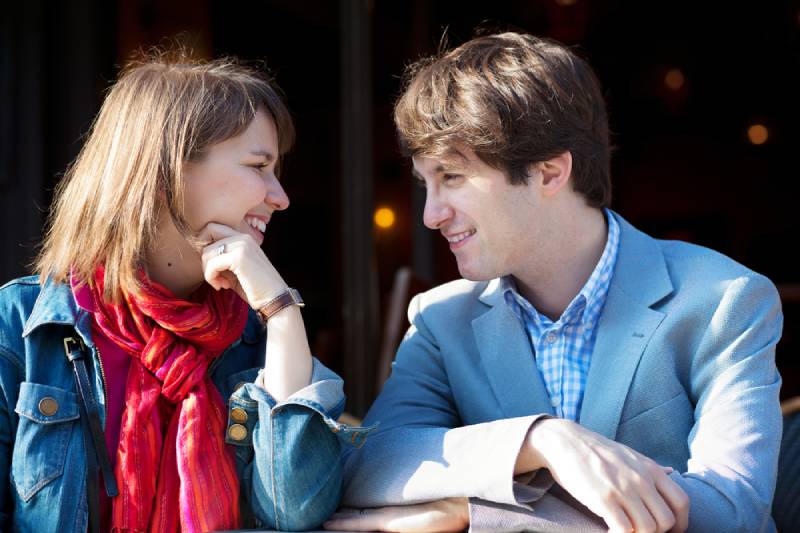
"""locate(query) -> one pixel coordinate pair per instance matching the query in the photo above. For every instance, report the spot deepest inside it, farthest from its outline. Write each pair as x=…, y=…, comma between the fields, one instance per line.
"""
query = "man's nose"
x=436, y=212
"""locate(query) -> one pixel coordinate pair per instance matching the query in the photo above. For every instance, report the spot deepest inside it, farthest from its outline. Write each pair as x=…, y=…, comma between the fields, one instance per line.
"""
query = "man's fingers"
x=678, y=502
x=639, y=515
x=660, y=510
x=616, y=519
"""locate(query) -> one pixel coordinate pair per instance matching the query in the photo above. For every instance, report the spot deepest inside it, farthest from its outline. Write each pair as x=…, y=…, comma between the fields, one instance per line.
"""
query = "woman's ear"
x=553, y=174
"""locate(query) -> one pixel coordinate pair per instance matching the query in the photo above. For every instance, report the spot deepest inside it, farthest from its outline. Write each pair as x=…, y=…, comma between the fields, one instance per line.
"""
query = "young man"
x=637, y=374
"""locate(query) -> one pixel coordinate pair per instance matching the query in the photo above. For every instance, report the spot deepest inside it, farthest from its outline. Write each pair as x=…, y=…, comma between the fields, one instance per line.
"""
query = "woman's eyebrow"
x=264, y=153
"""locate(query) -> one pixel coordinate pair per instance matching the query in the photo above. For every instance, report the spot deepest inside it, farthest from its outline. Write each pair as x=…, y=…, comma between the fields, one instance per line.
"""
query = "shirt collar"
x=593, y=291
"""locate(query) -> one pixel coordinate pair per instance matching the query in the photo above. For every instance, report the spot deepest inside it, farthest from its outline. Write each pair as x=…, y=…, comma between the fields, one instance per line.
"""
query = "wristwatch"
x=283, y=300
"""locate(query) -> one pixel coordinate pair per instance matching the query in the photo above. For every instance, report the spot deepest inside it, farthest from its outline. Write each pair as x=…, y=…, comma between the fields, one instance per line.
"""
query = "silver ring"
x=221, y=249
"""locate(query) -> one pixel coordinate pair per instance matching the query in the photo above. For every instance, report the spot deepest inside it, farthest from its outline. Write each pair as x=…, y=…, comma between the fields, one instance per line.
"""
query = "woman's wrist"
x=268, y=295
x=288, y=298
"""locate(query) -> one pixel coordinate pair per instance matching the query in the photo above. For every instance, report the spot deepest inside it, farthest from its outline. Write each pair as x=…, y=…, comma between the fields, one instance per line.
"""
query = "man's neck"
x=555, y=279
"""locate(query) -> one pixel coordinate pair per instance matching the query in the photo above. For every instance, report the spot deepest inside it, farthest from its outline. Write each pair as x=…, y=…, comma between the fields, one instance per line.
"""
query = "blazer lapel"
x=626, y=325
x=507, y=358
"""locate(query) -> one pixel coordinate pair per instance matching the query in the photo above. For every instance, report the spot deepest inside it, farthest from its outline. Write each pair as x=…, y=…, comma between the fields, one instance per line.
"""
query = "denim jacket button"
x=237, y=432
x=48, y=406
x=239, y=415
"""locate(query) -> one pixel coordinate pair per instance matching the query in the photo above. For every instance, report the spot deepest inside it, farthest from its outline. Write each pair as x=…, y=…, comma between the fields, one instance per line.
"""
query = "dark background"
x=684, y=166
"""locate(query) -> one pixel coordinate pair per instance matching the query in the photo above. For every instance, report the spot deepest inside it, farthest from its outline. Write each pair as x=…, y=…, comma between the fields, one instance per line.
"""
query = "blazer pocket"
x=46, y=417
x=661, y=432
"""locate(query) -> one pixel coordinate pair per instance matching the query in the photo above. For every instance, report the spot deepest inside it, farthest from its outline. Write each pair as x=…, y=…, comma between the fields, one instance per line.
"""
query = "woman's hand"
x=241, y=265
x=451, y=514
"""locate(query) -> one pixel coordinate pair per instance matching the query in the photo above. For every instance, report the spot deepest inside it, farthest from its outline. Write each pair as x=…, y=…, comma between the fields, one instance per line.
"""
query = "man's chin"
x=472, y=274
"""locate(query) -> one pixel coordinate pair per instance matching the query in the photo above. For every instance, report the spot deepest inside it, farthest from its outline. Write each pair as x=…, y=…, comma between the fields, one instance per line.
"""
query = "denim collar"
x=56, y=305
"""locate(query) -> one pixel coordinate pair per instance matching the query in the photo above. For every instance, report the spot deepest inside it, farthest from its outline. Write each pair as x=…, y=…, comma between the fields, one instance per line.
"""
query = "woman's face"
x=235, y=183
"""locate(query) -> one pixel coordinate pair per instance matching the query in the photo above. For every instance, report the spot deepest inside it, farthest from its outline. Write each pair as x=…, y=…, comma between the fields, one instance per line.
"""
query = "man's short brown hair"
x=514, y=100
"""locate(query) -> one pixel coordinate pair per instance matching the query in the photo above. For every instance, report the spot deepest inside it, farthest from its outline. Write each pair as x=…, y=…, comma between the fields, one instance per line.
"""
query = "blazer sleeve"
x=734, y=443
x=420, y=451
x=556, y=512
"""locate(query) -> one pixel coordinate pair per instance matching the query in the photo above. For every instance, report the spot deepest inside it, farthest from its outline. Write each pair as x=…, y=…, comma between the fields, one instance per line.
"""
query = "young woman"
x=138, y=391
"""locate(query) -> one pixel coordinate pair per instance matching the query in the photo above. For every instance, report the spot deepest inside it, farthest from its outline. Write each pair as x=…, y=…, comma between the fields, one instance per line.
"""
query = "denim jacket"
x=287, y=460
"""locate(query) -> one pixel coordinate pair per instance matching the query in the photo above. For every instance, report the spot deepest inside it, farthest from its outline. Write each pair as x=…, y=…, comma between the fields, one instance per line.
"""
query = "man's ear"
x=555, y=173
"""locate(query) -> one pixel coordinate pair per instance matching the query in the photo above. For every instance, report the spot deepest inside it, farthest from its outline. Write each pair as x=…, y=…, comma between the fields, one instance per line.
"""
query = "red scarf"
x=173, y=467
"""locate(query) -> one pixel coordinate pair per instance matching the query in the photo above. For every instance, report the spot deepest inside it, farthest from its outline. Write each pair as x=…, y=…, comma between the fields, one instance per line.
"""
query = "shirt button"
x=48, y=406
x=551, y=337
x=238, y=415
x=237, y=432
x=554, y=402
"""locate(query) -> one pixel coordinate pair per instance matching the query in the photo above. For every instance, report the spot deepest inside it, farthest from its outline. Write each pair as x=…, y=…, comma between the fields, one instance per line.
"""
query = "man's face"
x=491, y=225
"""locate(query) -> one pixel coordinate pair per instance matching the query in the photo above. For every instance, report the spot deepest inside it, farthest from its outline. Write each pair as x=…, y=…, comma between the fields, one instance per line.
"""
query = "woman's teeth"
x=256, y=223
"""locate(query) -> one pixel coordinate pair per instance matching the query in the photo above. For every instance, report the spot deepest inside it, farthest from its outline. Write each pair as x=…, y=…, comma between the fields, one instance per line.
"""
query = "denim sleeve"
x=288, y=452
x=7, y=374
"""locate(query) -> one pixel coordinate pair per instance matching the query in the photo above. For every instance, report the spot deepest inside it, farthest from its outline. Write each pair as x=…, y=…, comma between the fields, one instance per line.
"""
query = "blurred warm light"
x=758, y=134
x=565, y=3
x=674, y=79
x=384, y=217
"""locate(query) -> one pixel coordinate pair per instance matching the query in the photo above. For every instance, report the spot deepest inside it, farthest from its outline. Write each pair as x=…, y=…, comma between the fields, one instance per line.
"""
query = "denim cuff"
x=324, y=396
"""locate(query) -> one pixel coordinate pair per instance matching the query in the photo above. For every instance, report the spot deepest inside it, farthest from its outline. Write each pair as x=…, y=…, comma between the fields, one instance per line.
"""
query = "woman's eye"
x=260, y=166
x=451, y=177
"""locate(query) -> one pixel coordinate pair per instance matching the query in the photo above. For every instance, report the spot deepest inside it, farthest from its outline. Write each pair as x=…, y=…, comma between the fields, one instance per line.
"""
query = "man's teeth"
x=460, y=236
x=257, y=223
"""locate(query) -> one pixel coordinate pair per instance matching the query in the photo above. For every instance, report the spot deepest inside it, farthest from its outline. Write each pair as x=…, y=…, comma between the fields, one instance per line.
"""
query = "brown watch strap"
x=283, y=300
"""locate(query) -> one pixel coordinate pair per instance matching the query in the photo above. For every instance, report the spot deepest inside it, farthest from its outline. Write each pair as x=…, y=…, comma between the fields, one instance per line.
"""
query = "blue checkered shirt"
x=563, y=349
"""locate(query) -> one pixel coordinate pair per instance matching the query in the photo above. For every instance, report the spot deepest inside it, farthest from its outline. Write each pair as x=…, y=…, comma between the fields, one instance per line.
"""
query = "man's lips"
x=459, y=239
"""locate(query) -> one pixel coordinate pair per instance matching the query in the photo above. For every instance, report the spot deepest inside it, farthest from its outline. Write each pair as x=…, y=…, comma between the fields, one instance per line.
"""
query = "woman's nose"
x=276, y=197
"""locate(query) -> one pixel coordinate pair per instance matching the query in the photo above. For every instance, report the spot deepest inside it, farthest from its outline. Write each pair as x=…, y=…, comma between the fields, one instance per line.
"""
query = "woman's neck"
x=173, y=262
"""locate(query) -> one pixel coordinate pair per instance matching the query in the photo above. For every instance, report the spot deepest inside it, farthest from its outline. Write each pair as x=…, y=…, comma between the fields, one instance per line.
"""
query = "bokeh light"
x=384, y=217
x=758, y=134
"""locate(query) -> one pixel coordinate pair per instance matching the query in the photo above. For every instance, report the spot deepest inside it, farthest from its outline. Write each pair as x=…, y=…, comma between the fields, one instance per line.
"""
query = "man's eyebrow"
x=264, y=153
x=439, y=169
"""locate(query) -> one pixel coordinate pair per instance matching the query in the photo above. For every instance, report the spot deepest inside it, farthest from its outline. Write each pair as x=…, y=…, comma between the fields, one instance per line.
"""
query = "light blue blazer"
x=683, y=370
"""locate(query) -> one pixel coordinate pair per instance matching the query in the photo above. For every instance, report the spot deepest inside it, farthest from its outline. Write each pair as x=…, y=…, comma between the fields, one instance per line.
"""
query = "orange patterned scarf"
x=173, y=467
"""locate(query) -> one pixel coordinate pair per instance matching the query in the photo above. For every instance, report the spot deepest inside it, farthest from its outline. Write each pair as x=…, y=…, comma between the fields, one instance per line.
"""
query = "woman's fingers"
x=443, y=515
x=213, y=231
x=217, y=270
x=233, y=260
x=358, y=519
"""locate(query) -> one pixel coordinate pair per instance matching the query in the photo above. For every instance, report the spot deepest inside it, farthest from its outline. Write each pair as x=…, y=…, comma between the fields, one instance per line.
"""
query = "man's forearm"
x=410, y=465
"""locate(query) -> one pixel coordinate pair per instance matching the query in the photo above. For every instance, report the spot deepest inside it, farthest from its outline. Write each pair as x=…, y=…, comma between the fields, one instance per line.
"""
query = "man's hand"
x=629, y=491
x=451, y=514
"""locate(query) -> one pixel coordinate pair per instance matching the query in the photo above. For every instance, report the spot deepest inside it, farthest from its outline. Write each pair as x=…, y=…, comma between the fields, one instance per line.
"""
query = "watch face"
x=296, y=297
